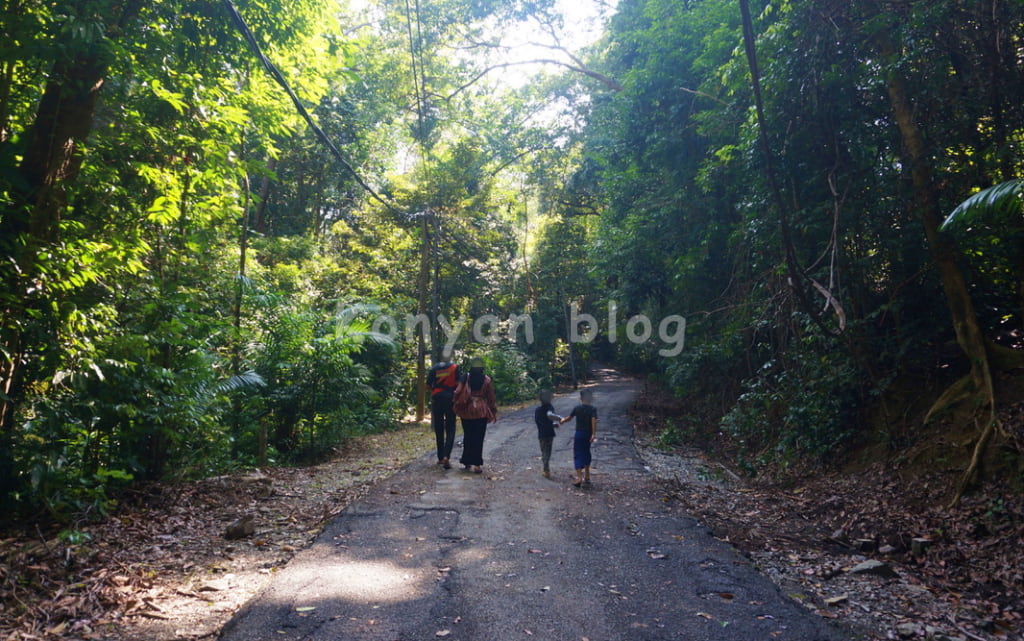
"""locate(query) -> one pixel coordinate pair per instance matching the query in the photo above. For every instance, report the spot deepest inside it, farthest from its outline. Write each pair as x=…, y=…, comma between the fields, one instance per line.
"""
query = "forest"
x=235, y=233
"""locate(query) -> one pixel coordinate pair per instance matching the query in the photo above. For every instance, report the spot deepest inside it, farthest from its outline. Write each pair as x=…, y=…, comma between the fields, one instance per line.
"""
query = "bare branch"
x=351, y=30
x=559, y=47
x=511, y=161
x=830, y=302
x=610, y=83
x=577, y=208
x=702, y=94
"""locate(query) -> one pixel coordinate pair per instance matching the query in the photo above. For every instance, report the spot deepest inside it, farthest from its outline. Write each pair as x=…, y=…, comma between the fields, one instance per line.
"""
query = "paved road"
x=510, y=555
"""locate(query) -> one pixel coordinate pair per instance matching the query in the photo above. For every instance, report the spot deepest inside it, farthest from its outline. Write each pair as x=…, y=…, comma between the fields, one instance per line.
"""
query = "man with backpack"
x=442, y=379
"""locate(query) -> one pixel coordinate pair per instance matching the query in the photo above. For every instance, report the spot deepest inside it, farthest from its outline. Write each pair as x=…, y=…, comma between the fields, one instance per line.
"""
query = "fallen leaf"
x=57, y=629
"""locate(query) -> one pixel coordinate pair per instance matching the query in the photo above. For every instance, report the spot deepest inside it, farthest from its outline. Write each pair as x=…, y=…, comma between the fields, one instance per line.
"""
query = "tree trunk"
x=421, y=309
x=261, y=207
x=793, y=268
x=926, y=201
x=436, y=344
x=13, y=9
x=236, y=312
x=30, y=220
x=6, y=80
x=568, y=339
x=954, y=285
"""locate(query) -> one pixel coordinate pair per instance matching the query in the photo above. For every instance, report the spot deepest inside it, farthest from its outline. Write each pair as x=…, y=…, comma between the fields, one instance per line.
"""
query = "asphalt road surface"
x=509, y=555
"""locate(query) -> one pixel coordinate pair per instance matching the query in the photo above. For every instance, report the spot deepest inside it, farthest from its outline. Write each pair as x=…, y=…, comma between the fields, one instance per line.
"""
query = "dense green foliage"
x=794, y=361
x=190, y=281
x=179, y=276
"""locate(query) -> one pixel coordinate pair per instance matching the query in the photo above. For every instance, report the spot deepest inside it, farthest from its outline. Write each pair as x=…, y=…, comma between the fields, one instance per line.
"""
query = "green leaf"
x=995, y=204
x=162, y=211
x=175, y=100
x=241, y=381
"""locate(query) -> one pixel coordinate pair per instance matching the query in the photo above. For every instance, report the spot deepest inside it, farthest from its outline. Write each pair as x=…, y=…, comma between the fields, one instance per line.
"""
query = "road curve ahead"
x=512, y=556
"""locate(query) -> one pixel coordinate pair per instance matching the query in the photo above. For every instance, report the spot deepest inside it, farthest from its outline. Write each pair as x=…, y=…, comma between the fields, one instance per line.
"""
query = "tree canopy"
x=194, y=278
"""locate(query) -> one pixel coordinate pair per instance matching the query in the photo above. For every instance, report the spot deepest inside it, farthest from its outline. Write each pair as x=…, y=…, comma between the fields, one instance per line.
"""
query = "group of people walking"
x=470, y=397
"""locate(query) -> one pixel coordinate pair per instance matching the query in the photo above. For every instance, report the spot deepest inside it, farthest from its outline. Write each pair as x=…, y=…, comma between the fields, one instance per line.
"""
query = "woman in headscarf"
x=476, y=406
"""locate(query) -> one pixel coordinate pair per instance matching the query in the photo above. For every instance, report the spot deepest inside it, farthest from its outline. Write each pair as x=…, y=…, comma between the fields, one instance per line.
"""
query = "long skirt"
x=473, y=432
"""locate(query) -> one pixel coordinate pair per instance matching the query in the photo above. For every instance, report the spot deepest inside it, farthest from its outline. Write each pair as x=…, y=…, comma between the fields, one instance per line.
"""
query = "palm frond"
x=245, y=283
x=240, y=381
x=351, y=324
x=349, y=313
x=377, y=338
x=991, y=205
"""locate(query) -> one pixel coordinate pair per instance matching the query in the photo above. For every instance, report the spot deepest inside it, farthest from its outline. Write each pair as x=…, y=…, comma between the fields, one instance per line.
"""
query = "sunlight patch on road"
x=367, y=581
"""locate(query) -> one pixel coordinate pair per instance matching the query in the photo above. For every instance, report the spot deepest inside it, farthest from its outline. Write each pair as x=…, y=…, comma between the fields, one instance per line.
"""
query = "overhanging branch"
x=608, y=82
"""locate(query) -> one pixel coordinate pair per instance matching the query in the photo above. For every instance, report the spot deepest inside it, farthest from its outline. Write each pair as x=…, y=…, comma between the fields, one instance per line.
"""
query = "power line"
x=250, y=39
x=417, y=69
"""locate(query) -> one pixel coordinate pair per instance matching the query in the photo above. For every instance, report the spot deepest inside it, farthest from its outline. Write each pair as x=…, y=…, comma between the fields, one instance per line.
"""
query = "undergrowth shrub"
x=510, y=370
x=150, y=407
x=803, y=408
x=708, y=370
x=322, y=384
x=669, y=438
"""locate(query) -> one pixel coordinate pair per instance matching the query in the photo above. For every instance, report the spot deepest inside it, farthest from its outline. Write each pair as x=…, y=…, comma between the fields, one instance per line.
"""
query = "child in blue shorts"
x=586, y=434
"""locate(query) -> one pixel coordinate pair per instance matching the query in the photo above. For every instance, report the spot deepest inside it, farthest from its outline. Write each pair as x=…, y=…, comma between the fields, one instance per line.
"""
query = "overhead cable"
x=250, y=39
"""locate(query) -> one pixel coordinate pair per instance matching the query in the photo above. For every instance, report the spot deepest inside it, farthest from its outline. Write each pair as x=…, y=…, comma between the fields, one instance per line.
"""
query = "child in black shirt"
x=546, y=419
x=586, y=434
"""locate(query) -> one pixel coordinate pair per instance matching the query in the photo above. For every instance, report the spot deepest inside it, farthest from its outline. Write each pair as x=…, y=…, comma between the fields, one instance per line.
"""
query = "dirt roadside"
x=933, y=573
x=160, y=568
